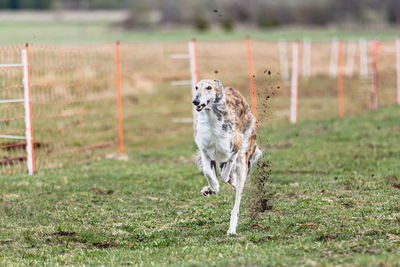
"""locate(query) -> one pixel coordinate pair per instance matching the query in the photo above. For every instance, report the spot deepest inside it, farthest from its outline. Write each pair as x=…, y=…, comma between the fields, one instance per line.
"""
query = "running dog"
x=225, y=133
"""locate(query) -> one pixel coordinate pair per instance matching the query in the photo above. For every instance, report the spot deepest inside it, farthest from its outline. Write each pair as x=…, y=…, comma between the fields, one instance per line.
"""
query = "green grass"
x=99, y=32
x=334, y=192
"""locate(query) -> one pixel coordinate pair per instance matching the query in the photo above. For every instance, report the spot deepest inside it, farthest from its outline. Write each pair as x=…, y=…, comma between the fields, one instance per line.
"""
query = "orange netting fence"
x=61, y=105
x=68, y=89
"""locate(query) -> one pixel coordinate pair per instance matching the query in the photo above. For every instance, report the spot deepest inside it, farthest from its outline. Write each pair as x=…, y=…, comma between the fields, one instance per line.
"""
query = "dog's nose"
x=196, y=102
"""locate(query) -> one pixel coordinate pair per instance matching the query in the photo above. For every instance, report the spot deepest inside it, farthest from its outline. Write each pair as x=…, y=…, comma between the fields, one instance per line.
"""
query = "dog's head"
x=207, y=93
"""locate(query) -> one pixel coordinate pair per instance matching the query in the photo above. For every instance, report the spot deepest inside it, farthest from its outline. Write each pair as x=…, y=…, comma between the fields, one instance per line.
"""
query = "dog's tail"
x=254, y=158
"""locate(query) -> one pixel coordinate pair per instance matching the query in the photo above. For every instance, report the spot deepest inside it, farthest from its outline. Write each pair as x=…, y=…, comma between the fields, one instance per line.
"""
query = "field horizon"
x=87, y=32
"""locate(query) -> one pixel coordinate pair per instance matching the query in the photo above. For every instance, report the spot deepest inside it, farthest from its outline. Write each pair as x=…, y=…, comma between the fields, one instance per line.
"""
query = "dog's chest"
x=211, y=138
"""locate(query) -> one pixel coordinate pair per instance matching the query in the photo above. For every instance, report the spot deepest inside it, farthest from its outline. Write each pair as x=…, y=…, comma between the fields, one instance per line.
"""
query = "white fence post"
x=334, y=59
x=295, y=82
x=283, y=60
x=363, y=58
x=28, y=114
x=351, y=48
x=194, y=76
x=374, y=92
x=306, y=58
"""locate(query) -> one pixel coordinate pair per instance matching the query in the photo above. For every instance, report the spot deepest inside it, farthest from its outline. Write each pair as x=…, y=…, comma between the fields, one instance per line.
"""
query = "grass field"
x=58, y=32
x=333, y=195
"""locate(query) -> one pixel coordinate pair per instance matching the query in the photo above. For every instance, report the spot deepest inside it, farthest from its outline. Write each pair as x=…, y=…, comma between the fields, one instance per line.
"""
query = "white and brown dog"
x=226, y=137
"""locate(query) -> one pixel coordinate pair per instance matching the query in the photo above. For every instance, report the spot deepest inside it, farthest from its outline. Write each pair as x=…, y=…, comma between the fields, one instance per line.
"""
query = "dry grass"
x=82, y=84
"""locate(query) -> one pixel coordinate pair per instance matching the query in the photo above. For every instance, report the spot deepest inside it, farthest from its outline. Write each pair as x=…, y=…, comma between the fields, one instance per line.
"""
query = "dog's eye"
x=208, y=87
x=197, y=87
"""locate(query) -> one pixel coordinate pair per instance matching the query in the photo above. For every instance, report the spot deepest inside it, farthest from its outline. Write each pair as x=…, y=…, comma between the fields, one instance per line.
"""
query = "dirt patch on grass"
x=103, y=245
x=300, y=172
x=6, y=242
x=326, y=237
x=393, y=181
x=98, y=191
x=279, y=146
x=65, y=237
x=62, y=233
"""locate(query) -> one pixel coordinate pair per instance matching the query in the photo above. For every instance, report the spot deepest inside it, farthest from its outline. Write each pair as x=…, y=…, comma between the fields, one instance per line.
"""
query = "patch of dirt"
x=73, y=238
x=133, y=99
x=348, y=205
x=103, y=245
x=156, y=160
x=374, y=146
x=5, y=242
x=280, y=145
x=119, y=157
x=393, y=181
x=263, y=239
x=396, y=186
x=300, y=172
x=309, y=225
x=98, y=191
x=62, y=233
x=327, y=237
x=186, y=160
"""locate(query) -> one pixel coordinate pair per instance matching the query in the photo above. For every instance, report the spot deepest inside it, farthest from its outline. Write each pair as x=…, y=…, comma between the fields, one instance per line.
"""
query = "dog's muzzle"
x=196, y=103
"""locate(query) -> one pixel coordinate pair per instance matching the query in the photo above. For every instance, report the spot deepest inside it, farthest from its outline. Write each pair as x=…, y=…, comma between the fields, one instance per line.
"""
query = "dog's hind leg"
x=241, y=169
x=210, y=172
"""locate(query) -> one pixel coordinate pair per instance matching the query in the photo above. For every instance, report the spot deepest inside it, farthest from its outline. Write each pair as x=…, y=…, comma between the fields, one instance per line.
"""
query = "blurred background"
x=77, y=21
x=73, y=70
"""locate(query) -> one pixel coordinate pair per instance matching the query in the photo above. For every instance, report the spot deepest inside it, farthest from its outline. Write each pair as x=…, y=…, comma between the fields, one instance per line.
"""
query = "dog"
x=225, y=133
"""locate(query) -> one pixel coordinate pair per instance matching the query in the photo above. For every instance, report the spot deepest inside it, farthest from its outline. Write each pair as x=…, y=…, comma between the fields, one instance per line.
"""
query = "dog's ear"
x=219, y=90
x=218, y=83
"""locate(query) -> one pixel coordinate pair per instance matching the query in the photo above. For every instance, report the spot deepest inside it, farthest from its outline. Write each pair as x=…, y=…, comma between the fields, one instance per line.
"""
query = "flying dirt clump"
x=259, y=192
x=262, y=171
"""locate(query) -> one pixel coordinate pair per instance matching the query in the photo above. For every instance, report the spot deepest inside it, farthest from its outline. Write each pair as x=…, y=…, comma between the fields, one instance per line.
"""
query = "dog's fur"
x=226, y=137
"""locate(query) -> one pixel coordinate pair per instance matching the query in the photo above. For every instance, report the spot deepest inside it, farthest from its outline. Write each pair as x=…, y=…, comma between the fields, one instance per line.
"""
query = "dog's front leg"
x=210, y=173
x=226, y=171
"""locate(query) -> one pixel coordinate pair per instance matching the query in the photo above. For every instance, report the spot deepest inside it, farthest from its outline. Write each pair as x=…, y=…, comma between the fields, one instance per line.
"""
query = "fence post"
x=398, y=69
x=28, y=111
x=283, y=60
x=350, y=59
x=306, y=58
x=340, y=79
x=120, y=131
x=363, y=59
x=334, y=59
x=295, y=82
x=194, y=75
x=374, y=96
x=251, y=78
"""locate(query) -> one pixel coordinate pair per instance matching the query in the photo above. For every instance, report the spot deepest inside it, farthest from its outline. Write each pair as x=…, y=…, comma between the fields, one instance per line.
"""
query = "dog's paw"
x=231, y=232
x=206, y=191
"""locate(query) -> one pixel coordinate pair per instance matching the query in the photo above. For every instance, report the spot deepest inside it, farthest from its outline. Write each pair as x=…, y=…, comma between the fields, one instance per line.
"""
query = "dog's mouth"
x=202, y=106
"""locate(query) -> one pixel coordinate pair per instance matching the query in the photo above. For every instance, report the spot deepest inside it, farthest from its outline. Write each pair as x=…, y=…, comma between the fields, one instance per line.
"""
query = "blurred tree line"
x=227, y=13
